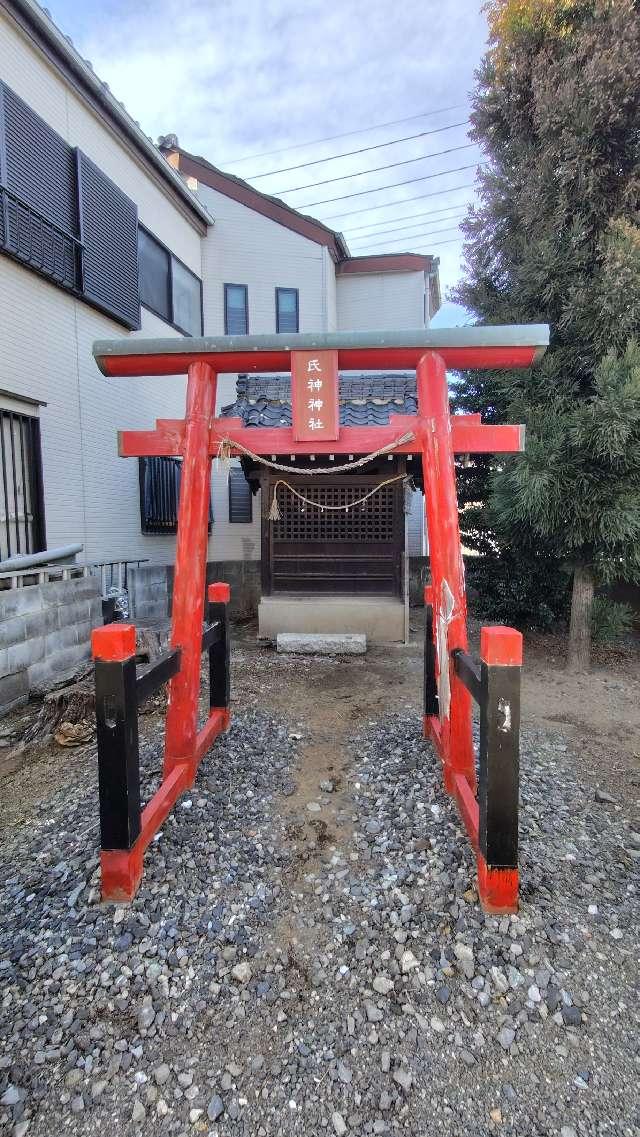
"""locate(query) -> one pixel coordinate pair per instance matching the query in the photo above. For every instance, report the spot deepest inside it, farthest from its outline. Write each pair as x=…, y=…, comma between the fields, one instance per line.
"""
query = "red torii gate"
x=451, y=676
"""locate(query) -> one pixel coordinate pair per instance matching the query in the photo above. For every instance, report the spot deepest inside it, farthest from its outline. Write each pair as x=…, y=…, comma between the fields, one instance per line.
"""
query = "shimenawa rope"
x=275, y=515
x=228, y=445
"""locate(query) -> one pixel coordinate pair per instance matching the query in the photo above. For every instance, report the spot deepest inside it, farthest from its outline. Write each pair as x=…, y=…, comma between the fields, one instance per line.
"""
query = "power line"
x=406, y=217
x=346, y=134
x=392, y=204
x=393, y=185
x=411, y=236
x=431, y=245
x=450, y=223
x=412, y=225
x=362, y=150
x=377, y=169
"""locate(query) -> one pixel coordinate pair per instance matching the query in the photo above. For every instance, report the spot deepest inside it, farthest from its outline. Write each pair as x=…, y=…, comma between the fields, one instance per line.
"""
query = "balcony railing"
x=29, y=237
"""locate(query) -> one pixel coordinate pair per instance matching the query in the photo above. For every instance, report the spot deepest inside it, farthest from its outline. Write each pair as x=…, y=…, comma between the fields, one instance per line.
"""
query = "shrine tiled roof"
x=365, y=400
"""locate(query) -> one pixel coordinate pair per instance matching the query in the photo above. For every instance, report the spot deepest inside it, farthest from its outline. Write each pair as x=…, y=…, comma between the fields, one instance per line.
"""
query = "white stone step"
x=299, y=643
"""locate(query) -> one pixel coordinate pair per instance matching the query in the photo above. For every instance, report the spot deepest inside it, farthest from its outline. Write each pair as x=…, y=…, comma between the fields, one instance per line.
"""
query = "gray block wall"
x=419, y=576
x=151, y=589
x=45, y=629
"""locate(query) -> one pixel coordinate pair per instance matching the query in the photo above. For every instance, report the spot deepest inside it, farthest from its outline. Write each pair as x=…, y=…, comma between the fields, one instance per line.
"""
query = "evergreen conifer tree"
x=556, y=239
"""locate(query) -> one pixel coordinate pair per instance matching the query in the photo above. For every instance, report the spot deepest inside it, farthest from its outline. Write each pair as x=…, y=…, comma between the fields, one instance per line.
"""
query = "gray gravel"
x=263, y=983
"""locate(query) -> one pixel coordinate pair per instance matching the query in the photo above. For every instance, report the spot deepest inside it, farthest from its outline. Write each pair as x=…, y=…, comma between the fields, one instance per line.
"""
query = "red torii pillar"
x=452, y=733
x=191, y=568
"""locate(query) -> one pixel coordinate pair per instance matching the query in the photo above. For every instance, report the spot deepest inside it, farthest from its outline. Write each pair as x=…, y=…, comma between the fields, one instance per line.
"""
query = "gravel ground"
x=300, y=968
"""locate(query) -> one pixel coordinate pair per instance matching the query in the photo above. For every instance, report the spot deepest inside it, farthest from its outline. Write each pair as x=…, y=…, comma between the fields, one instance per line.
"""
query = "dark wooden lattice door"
x=352, y=549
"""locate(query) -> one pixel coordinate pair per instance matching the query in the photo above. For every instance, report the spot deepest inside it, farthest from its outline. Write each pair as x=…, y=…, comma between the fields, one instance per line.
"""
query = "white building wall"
x=46, y=335
x=331, y=292
x=244, y=247
x=379, y=301
x=91, y=494
x=416, y=528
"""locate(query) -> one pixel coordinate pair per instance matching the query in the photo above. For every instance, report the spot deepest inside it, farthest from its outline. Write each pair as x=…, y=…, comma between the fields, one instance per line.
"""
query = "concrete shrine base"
x=380, y=618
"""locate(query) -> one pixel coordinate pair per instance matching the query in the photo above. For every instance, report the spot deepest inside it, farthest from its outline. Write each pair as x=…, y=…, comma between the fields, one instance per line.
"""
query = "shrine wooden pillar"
x=191, y=567
x=450, y=729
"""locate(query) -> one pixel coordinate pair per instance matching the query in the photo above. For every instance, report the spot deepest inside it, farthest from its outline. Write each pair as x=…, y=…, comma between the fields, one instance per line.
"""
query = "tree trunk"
x=579, y=653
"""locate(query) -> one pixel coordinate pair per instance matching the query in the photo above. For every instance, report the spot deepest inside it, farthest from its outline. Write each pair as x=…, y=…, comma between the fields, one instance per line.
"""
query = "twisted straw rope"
x=275, y=515
x=227, y=445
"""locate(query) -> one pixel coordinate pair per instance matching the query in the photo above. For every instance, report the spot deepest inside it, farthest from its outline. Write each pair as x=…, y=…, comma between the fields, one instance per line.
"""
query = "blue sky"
x=237, y=79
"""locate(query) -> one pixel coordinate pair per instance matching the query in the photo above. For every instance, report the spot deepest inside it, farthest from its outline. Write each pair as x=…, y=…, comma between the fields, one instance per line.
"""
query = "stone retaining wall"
x=45, y=629
x=151, y=589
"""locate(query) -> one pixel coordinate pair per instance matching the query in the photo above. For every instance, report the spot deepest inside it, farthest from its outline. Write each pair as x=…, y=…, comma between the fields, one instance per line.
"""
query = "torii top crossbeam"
x=517, y=345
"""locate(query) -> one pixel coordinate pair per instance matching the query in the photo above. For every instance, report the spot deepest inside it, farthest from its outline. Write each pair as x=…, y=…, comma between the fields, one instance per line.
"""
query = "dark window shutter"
x=109, y=221
x=41, y=168
x=39, y=180
x=159, y=494
x=240, y=498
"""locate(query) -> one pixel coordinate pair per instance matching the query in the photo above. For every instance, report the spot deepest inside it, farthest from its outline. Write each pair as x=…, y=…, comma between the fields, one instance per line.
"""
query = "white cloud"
x=237, y=78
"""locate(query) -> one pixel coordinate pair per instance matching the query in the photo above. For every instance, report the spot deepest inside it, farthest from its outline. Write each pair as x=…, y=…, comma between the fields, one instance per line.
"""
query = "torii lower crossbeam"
x=488, y=804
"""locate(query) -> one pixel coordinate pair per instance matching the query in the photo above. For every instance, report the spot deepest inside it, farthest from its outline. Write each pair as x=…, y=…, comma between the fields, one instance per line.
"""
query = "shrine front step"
x=379, y=618
x=297, y=643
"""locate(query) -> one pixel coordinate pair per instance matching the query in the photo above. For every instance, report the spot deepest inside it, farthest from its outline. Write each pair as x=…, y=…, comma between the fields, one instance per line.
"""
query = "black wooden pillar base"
x=218, y=596
x=114, y=648
x=499, y=774
x=430, y=683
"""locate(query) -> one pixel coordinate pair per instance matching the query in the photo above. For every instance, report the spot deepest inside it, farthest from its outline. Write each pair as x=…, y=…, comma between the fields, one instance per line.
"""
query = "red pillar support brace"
x=451, y=731
x=190, y=573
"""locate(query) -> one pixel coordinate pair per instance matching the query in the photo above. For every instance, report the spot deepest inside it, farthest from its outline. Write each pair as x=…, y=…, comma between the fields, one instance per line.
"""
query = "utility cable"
x=392, y=185
x=362, y=150
x=339, y=217
x=402, y=228
x=406, y=217
x=377, y=169
x=411, y=236
x=346, y=134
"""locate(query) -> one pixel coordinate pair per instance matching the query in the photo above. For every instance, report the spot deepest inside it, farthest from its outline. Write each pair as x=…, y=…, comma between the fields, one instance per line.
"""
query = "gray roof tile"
x=365, y=400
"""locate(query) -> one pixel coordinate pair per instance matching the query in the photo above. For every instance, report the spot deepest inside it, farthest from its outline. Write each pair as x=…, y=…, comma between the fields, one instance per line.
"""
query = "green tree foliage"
x=556, y=239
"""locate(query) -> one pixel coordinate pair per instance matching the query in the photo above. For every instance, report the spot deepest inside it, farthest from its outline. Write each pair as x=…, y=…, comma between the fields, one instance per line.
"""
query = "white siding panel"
x=381, y=301
x=25, y=70
x=237, y=542
x=416, y=535
x=332, y=300
x=91, y=495
x=246, y=248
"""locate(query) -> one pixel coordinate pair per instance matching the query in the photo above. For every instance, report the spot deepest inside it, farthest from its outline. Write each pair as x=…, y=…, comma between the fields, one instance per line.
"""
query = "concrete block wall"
x=151, y=589
x=44, y=630
x=419, y=577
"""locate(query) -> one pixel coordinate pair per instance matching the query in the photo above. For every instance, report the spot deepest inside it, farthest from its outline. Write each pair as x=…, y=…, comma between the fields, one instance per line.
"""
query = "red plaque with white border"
x=315, y=409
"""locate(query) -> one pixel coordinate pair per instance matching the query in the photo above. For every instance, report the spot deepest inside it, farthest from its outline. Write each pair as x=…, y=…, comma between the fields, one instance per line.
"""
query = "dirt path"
x=599, y=714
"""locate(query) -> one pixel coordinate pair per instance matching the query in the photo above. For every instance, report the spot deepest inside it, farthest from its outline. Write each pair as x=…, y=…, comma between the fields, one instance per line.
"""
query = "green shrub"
x=610, y=620
x=525, y=592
